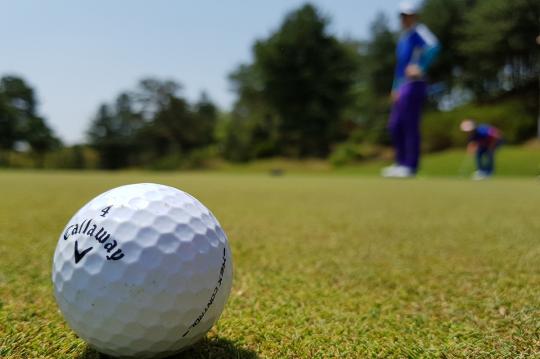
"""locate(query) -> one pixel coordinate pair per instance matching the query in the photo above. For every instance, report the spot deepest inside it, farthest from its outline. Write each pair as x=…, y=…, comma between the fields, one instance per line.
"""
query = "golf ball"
x=142, y=270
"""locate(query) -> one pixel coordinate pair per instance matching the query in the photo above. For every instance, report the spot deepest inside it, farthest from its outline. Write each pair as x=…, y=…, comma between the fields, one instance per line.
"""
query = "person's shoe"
x=402, y=172
x=396, y=171
x=479, y=176
x=387, y=171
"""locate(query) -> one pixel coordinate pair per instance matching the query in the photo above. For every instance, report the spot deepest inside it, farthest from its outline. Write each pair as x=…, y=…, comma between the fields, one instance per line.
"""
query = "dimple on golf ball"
x=142, y=270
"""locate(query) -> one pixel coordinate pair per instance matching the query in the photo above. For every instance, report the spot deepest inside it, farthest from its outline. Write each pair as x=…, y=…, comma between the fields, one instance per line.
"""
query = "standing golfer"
x=484, y=141
x=416, y=49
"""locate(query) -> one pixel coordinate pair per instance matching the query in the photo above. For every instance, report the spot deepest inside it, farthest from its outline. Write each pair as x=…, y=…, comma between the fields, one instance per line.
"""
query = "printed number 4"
x=105, y=210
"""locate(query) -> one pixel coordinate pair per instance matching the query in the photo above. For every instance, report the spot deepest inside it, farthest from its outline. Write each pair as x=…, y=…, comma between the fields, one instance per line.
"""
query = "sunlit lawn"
x=325, y=266
x=511, y=161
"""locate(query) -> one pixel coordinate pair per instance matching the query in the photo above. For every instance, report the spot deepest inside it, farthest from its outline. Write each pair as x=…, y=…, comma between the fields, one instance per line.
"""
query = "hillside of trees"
x=306, y=94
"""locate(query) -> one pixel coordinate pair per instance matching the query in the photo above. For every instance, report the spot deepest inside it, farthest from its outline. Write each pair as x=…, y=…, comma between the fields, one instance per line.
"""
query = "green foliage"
x=282, y=108
x=198, y=158
x=350, y=153
x=373, y=84
x=380, y=56
x=306, y=73
x=237, y=144
x=72, y=157
x=113, y=131
x=8, y=125
x=19, y=120
x=306, y=94
x=300, y=82
x=177, y=125
x=39, y=136
x=500, y=33
x=252, y=129
x=152, y=127
x=15, y=159
x=249, y=138
x=440, y=130
x=446, y=19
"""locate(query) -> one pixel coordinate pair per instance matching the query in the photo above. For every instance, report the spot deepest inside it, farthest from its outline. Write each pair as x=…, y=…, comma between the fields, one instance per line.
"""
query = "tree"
x=19, y=120
x=373, y=83
x=152, y=124
x=19, y=95
x=153, y=95
x=183, y=127
x=39, y=136
x=206, y=113
x=380, y=55
x=101, y=135
x=499, y=40
x=113, y=133
x=446, y=19
x=305, y=75
x=8, y=125
x=253, y=129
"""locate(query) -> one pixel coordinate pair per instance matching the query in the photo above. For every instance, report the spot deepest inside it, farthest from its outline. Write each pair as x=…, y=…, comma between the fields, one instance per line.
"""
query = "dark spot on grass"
x=207, y=348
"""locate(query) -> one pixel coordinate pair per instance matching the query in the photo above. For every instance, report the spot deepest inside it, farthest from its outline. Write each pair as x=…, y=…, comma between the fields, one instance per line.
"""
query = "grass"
x=512, y=161
x=325, y=266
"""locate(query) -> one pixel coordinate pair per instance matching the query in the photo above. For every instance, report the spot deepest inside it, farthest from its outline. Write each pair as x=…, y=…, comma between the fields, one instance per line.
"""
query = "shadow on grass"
x=208, y=348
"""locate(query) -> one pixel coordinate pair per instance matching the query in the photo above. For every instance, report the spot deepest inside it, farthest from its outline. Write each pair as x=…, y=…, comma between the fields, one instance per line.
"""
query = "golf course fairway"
x=325, y=265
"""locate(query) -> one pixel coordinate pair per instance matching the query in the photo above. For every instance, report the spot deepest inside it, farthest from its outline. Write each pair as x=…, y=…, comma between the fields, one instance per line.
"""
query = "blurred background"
x=208, y=85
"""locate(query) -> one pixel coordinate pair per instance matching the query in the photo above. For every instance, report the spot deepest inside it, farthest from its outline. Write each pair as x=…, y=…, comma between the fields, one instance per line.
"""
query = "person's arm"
x=472, y=142
x=426, y=52
x=398, y=79
x=396, y=83
x=431, y=48
x=471, y=147
x=399, y=70
x=495, y=137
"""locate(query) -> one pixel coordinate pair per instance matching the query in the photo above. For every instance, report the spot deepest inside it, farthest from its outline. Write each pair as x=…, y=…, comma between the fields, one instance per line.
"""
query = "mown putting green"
x=325, y=266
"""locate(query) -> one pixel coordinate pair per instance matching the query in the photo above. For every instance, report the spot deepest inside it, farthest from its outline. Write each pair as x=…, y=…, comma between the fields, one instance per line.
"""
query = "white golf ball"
x=142, y=270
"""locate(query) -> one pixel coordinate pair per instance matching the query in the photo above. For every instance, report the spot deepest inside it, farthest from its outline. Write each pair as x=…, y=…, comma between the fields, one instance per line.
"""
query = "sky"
x=78, y=54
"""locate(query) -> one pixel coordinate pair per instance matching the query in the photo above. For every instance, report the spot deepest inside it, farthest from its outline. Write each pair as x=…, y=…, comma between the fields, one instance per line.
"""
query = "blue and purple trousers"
x=404, y=123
